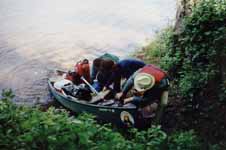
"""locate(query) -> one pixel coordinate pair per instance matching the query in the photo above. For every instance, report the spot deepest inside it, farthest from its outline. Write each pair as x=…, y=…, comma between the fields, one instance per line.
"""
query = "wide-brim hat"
x=143, y=82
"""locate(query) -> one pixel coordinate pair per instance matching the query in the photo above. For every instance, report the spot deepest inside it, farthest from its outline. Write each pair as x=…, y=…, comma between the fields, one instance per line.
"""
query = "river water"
x=38, y=35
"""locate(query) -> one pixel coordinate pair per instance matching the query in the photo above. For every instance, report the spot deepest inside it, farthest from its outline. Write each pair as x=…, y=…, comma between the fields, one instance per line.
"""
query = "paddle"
x=60, y=72
x=90, y=86
x=98, y=97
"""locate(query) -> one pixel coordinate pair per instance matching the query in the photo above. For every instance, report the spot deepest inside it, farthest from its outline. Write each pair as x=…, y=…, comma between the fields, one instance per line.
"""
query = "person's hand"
x=127, y=100
x=119, y=95
x=105, y=88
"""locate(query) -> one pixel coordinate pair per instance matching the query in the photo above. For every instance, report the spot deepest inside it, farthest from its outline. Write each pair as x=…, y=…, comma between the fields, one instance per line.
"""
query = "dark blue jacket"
x=124, y=69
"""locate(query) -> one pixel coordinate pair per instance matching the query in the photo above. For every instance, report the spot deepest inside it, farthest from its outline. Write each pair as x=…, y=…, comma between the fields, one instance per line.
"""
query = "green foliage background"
x=194, y=58
x=194, y=55
x=30, y=128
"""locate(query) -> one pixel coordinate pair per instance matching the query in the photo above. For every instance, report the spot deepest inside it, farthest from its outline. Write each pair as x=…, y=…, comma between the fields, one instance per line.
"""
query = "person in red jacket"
x=82, y=69
x=150, y=84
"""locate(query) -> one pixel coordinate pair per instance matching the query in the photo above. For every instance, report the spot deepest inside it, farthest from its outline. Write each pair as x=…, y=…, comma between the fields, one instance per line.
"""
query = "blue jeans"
x=97, y=86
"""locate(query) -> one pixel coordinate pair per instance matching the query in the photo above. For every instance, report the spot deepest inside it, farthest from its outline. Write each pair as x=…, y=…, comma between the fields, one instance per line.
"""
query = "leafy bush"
x=154, y=138
x=184, y=141
x=157, y=48
x=195, y=59
x=194, y=54
x=30, y=128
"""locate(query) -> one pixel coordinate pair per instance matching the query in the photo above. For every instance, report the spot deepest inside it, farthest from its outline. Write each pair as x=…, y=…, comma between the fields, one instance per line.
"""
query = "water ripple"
x=37, y=36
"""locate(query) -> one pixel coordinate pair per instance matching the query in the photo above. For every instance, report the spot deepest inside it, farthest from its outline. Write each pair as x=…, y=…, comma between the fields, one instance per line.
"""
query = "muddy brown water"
x=37, y=36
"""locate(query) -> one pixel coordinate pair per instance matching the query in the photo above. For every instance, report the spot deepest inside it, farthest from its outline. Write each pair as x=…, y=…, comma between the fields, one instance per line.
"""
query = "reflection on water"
x=38, y=35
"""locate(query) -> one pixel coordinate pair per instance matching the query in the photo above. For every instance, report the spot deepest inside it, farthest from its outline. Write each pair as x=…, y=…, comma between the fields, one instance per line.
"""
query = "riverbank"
x=192, y=60
x=194, y=57
x=29, y=128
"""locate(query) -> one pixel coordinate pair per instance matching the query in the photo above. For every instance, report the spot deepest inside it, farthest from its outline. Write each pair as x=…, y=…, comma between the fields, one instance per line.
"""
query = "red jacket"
x=83, y=69
x=154, y=71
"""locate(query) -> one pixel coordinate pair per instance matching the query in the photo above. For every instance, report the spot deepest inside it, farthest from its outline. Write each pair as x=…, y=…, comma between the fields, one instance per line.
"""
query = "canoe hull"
x=120, y=116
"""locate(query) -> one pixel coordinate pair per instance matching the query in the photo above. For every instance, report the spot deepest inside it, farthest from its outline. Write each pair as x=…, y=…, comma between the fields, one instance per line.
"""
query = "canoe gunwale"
x=74, y=100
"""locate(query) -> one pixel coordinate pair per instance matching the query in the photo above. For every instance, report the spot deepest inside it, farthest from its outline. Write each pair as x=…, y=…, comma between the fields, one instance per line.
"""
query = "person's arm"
x=115, y=75
x=163, y=100
x=128, y=85
x=140, y=100
x=93, y=73
x=164, y=87
x=110, y=80
x=117, y=84
x=116, y=81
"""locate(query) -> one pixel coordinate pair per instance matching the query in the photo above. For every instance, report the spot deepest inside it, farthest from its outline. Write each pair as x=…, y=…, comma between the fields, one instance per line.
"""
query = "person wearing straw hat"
x=150, y=83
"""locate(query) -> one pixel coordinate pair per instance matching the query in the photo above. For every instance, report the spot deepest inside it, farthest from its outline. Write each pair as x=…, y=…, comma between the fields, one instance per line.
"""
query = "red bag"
x=83, y=69
x=154, y=71
x=69, y=77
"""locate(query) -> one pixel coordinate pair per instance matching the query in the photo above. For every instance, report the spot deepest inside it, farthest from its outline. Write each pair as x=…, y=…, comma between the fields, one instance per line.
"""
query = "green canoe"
x=121, y=116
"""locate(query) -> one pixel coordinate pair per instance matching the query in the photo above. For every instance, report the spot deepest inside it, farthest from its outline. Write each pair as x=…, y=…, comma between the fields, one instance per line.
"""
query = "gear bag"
x=82, y=68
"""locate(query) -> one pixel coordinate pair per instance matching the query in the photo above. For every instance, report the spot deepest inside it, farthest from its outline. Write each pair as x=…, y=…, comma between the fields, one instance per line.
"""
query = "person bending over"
x=150, y=84
x=121, y=70
x=98, y=81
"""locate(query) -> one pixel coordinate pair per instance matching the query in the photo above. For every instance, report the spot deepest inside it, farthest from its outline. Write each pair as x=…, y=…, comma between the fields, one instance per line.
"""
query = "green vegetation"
x=195, y=60
x=194, y=54
x=158, y=47
x=30, y=128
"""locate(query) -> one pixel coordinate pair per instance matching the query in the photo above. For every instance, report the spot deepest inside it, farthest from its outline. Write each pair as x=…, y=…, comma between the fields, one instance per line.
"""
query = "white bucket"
x=59, y=84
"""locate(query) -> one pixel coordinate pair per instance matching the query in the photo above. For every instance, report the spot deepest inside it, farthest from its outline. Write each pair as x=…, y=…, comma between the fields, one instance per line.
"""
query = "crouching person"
x=99, y=80
x=150, y=84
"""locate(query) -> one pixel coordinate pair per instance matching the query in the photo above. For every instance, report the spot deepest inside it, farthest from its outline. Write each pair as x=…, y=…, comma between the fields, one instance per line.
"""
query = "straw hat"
x=143, y=82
